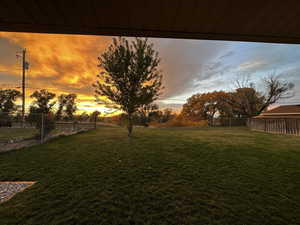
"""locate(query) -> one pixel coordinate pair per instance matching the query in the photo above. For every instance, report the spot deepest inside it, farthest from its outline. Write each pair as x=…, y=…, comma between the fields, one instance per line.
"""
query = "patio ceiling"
x=262, y=21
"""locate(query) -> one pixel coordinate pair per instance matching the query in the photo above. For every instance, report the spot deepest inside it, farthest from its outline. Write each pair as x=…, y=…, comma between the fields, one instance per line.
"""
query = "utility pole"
x=23, y=84
x=25, y=66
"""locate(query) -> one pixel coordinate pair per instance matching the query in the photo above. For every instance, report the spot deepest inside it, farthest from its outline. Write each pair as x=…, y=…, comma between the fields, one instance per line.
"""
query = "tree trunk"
x=129, y=125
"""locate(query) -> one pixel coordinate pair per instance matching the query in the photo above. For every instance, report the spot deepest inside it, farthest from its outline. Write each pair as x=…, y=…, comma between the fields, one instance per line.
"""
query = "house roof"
x=256, y=20
x=286, y=109
x=283, y=111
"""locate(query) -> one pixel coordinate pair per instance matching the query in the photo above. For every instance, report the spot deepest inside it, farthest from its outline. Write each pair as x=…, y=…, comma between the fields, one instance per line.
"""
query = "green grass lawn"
x=168, y=176
x=13, y=133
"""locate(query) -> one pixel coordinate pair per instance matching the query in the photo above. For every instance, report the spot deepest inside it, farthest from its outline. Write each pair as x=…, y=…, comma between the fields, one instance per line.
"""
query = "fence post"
x=297, y=127
x=42, y=128
x=95, y=122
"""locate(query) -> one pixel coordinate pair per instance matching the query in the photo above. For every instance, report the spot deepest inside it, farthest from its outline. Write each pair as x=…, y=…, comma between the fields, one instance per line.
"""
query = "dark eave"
x=259, y=21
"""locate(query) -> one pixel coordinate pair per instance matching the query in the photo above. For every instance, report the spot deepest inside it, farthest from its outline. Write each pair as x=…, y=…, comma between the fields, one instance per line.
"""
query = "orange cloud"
x=60, y=63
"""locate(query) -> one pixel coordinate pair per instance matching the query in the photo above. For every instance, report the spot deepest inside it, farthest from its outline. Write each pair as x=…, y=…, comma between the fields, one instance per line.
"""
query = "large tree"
x=245, y=101
x=131, y=78
x=43, y=101
x=205, y=106
x=8, y=98
x=248, y=101
x=276, y=89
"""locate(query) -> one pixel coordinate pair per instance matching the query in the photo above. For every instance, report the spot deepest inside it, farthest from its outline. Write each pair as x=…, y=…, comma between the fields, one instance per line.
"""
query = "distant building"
x=283, y=111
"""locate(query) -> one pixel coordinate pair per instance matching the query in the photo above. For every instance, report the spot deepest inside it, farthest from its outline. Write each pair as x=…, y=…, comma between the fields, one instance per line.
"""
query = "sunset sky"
x=68, y=64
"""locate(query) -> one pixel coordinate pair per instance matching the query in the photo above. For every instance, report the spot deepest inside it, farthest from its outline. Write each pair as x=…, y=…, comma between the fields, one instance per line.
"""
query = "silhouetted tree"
x=66, y=106
x=8, y=98
x=145, y=113
x=61, y=104
x=131, y=77
x=166, y=115
x=40, y=111
x=247, y=101
x=276, y=89
x=94, y=116
x=83, y=116
x=42, y=101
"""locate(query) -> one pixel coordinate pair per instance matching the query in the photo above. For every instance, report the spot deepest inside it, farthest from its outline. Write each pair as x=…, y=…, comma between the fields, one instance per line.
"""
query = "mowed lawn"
x=161, y=176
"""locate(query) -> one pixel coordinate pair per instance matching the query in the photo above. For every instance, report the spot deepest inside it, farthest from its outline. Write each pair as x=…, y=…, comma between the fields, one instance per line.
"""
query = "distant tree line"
x=143, y=117
x=41, y=109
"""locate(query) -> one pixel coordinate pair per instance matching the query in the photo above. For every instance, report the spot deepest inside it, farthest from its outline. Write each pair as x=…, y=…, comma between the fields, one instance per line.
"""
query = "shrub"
x=179, y=121
x=5, y=120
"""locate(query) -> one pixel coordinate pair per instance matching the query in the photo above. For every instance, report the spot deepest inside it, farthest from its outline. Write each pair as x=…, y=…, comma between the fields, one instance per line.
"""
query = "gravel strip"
x=14, y=146
x=5, y=147
x=9, y=189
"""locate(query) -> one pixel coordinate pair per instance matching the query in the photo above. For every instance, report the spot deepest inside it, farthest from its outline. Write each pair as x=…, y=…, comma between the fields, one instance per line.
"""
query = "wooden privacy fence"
x=276, y=125
x=74, y=125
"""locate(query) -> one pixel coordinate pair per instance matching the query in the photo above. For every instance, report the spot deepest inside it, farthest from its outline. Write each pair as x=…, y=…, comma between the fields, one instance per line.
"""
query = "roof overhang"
x=260, y=21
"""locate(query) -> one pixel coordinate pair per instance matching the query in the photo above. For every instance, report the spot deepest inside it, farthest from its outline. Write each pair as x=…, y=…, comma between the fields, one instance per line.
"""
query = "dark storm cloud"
x=183, y=62
x=228, y=54
x=6, y=78
x=214, y=69
x=8, y=51
x=292, y=75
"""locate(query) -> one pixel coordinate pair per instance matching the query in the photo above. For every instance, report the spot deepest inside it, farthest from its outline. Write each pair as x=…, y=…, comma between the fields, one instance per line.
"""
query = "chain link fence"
x=38, y=126
x=228, y=122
